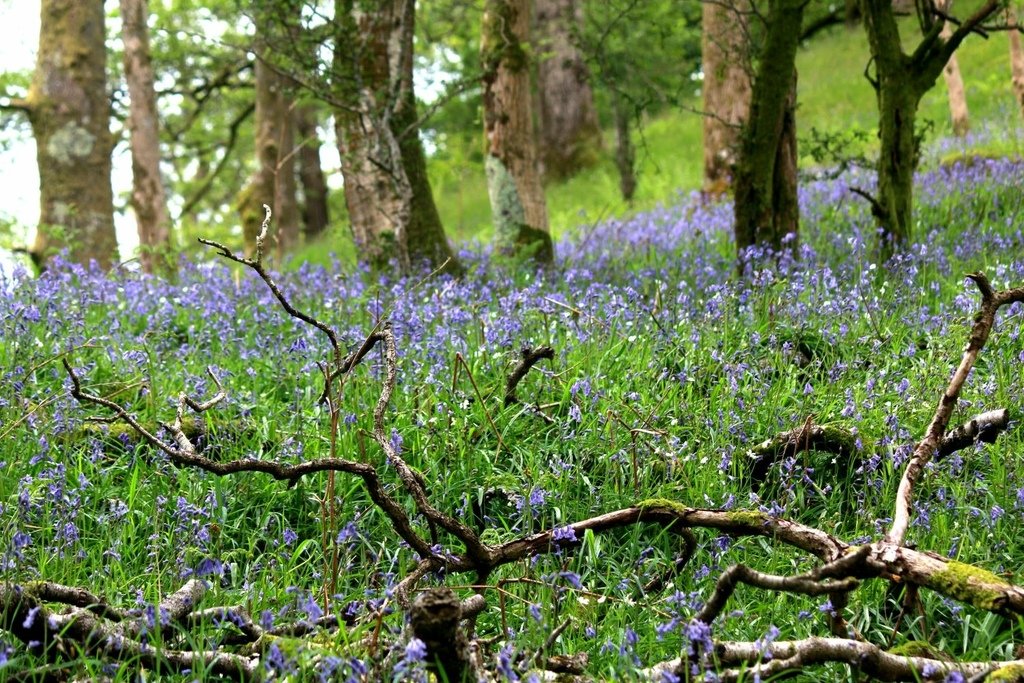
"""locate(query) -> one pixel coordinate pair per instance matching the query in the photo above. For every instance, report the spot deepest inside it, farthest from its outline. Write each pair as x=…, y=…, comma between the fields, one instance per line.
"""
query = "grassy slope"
x=834, y=96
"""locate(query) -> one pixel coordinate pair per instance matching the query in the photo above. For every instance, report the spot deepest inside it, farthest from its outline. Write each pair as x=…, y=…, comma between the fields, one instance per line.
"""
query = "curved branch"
x=984, y=321
x=530, y=357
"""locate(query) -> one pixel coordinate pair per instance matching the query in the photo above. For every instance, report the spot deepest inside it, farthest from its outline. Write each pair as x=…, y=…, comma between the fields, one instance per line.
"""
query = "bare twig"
x=811, y=583
x=257, y=265
x=477, y=551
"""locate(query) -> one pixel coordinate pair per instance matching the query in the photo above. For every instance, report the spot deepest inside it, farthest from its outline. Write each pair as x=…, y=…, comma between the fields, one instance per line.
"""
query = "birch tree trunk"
x=149, y=199
x=390, y=204
x=570, y=134
x=69, y=109
x=311, y=174
x=518, y=206
x=273, y=181
x=726, y=90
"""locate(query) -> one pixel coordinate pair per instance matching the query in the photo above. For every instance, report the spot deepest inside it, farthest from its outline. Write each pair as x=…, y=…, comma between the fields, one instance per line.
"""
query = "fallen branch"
x=434, y=618
x=991, y=302
x=840, y=441
x=530, y=357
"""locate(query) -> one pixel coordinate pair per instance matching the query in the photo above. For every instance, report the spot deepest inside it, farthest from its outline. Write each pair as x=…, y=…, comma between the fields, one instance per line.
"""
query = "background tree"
x=900, y=81
x=766, y=208
x=149, y=199
x=958, y=110
x=273, y=181
x=311, y=173
x=570, y=133
x=513, y=181
x=643, y=57
x=69, y=111
x=726, y=89
x=207, y=102
x=1016, y=53
x=387, y=192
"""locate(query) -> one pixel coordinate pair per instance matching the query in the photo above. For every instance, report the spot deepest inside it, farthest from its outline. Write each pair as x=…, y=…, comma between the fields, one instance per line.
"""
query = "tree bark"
x=273, y=182
x=726, y=90
x=311, y=174
x=958, y=111
x=625, y=154
x=900, y=82
x=149, y=199
x=1016, y=57
x=570, y=134
x=765, y=206
x=69, y=110
x=513, y=181
x=390, y=205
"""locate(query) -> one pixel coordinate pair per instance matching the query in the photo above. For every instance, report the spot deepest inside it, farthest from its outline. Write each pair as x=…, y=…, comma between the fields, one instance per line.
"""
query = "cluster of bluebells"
x=668, y=369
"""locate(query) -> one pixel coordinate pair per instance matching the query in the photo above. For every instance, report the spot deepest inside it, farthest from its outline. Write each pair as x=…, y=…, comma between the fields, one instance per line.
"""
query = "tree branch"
x=926, y=448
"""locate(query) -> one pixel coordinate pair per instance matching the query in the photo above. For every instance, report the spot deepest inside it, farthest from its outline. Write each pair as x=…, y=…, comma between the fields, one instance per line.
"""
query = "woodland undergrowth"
x=634, y=466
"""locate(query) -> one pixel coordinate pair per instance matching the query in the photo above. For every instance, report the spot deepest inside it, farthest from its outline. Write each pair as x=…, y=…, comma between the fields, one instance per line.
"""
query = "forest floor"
x=667, y=372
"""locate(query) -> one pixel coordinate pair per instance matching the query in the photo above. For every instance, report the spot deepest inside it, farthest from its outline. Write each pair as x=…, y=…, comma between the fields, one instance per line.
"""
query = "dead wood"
x=530, y=357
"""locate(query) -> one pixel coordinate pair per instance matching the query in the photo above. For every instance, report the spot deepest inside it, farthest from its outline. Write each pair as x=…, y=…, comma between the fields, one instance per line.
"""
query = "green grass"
x=666, y=372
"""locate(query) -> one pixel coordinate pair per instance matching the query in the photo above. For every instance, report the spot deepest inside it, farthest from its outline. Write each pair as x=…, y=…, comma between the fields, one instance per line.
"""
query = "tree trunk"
x=149, y=199
x=765, y=205
x=900, y=82
x=69, y=110
x=786, y=218
x=727, y=90
x=513, y=181
x=390, y=205
x=1016, y=58
x=897, y=110
x=955, y=87
x=570, y=134
x=273, y=182
x=625, y=155
x=311, y=174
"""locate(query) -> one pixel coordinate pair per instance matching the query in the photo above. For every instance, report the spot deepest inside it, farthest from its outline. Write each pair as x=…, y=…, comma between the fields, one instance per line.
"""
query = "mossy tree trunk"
x=726, y=90
x=149, y=198
x=570, y=134
x=273, y=181
x=765, y=205
x=900, y=81
x=518, y=206
x=390, y=204
x=311, y=173
x=69, y=109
